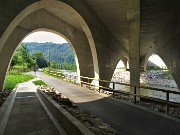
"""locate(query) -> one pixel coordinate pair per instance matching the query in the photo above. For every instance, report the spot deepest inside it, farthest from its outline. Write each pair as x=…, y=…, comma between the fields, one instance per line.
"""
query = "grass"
x=40, y=82
x=12, y=80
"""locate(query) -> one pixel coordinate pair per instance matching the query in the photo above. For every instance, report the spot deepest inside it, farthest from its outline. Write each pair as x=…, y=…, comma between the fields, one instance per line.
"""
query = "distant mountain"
x=61, y=53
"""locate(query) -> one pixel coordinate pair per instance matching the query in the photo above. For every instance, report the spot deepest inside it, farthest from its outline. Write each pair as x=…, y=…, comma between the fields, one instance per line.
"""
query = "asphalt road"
x=125, y=118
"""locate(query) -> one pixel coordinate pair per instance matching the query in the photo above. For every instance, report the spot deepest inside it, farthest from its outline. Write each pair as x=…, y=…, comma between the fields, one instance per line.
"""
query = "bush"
x=40, y=82
x=12, y=80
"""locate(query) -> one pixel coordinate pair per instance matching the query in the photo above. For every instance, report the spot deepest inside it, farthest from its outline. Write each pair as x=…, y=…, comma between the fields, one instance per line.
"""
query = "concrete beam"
x=133, y=16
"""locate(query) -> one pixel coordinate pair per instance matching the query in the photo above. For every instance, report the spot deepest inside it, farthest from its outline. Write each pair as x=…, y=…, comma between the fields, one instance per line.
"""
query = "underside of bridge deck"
x=101, y=32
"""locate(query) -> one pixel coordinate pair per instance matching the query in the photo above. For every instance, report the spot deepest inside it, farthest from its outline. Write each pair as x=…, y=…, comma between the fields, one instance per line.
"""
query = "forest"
x=30, y=55
x=60, y=53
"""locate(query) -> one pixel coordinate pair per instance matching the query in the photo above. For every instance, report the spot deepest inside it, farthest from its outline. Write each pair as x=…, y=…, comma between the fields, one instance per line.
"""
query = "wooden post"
x=167, y=105
x=80, y=81
x=113, y=86
x=135, y=95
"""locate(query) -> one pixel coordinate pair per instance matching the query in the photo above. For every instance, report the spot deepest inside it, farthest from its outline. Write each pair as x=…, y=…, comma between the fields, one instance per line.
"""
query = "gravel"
x=160, y=78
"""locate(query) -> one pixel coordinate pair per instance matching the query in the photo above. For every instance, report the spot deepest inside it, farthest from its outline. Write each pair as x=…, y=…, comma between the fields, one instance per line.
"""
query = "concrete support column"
x=133, y=16
x=142, y=63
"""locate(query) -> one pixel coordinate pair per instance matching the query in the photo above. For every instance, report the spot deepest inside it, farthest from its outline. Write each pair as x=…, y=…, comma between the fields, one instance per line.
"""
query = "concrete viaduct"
x=101, y=32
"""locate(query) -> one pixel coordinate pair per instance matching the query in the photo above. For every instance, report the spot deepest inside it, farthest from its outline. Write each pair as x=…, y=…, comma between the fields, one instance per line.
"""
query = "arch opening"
x=121, y=74
x=62, y=39
x=157, y=73
x=51, y=31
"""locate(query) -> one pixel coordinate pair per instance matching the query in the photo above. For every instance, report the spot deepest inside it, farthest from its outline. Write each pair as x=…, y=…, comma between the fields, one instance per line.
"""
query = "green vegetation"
x=12, y=80
x=40, y=82
x=29, y=56
x=156, y=68
x=21, y=58
x=40, y=60
x=59, y=55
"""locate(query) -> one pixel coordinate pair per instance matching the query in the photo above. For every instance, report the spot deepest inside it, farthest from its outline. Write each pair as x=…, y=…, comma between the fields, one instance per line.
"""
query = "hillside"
x=61, y=53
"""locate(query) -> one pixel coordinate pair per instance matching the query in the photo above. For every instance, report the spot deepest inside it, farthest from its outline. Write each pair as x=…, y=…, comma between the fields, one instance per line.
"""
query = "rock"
x=83, y=116
x=107, y=129
x=161, y=110
x=89, y=120
x=72, y=111
x=82, y=111
x=75, y=106
x=65, y=101
x=94, y=116
x=98, y=121
x=96, y=131
x=87, y=124
x=65, y=106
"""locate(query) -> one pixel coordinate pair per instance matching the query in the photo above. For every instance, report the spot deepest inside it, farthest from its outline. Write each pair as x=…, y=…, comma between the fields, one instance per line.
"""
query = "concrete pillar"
x=142, y=63
x=133, y=16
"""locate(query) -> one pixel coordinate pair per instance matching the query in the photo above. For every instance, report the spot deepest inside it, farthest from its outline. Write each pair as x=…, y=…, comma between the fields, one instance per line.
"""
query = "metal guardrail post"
x=135, y=95
x=167, y=104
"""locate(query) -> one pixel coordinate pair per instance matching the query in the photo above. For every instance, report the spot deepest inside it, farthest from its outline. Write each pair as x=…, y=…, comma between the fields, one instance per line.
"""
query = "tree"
x=40, y=60
x=22, y=58
x=53, y=64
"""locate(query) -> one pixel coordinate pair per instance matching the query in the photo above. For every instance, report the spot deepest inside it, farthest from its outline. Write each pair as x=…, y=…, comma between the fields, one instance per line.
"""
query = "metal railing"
x=88, y=82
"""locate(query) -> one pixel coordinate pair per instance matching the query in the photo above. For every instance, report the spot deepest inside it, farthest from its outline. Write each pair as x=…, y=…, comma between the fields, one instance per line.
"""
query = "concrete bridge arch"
x=30, y=7
x=76, y=38
x=69, y=42
x=105, y=48
x=111, y=34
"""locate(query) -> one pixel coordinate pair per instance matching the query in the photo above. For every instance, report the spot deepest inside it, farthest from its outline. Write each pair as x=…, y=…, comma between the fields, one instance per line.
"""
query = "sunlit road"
x=125, y=118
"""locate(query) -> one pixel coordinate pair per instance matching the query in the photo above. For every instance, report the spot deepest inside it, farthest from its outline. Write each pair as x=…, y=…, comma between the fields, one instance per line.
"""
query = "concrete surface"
x=28, y=117
x=101, y=29
x=125, y=118
x=72, y=125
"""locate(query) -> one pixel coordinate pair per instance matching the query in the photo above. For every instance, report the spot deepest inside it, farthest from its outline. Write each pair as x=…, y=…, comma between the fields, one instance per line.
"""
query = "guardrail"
x=87, y=81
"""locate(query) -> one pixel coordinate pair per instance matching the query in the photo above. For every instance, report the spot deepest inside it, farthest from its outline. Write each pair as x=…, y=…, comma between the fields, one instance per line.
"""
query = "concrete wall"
x=167, y=45
x=109, y=50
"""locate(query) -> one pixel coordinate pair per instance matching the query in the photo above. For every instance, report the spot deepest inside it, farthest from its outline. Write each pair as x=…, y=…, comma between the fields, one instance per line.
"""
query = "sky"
x=156, y=60
x=42, y=37
x=153, y=58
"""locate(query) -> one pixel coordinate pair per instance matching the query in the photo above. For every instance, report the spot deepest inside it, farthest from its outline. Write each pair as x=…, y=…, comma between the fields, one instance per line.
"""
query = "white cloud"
x=42, y=37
